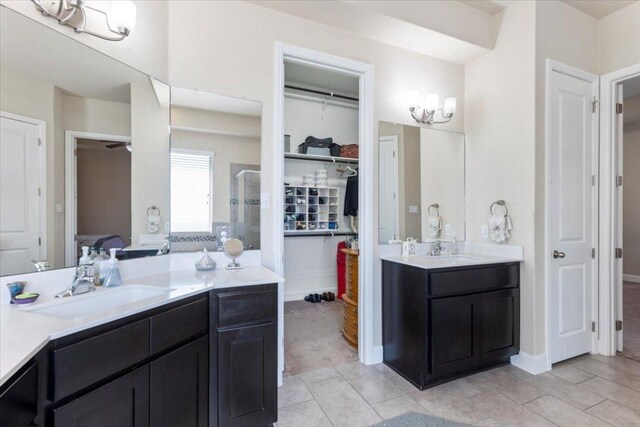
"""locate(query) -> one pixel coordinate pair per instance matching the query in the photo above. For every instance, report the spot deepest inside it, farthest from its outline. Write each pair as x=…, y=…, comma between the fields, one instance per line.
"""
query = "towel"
x=435, y=226
x=500, y=228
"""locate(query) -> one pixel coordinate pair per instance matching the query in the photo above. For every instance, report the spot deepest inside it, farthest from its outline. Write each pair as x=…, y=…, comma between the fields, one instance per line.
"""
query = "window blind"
x=191, y=191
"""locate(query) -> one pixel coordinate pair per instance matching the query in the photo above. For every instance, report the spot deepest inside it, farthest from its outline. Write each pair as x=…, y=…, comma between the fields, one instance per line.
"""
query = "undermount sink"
x=97, y=302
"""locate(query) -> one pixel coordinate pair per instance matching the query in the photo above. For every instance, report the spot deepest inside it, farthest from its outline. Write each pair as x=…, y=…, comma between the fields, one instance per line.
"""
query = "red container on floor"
x=342, y=265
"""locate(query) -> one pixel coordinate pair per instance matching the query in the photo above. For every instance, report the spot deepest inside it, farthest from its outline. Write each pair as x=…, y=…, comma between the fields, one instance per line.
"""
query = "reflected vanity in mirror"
x=215, y=171
x=84, y=151
x=421, y=190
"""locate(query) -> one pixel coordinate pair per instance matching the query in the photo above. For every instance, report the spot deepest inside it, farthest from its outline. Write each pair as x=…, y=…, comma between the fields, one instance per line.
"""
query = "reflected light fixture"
x=120, y=16
x=424, y=112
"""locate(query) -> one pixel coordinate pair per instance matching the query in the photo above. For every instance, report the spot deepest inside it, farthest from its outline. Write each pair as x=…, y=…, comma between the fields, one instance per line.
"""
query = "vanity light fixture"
x=425, y=113
x=119, y=16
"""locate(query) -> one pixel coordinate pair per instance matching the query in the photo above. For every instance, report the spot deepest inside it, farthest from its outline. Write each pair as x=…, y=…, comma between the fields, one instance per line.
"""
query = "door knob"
x=557, y=254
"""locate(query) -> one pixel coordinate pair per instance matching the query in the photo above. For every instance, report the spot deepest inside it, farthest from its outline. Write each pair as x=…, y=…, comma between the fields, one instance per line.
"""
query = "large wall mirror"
x=421, y=193
x=215, y=170
x=84, y=151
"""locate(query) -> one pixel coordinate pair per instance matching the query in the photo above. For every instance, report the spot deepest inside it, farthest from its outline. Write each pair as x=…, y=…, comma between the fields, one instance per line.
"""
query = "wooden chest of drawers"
x=350, y=298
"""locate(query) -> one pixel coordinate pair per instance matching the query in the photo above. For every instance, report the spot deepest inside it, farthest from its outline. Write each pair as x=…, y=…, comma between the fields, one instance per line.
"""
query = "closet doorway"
x=323, y=124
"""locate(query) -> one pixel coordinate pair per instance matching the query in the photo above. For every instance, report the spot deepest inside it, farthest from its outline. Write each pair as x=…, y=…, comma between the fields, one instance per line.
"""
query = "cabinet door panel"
x=454, y=335
x=499, y=325
x=19, y=400
x=179, y=386
x=247, y=376
x=123, y=402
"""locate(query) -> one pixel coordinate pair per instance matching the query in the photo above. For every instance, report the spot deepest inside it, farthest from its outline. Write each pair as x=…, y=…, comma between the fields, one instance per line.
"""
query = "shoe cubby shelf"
x=311, y=210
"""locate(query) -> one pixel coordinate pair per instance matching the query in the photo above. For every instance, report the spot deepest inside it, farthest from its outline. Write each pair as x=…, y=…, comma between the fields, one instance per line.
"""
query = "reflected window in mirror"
x=421, y=185
x=83, y=153
x=215, y=194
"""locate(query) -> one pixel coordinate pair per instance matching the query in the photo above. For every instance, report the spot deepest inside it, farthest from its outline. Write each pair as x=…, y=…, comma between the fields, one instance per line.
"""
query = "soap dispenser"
x=101, y=263
x=85, y=259
x=112, y=273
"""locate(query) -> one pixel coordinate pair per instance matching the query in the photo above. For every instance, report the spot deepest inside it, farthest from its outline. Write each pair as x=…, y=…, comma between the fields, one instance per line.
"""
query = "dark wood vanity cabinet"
x=209, y=360
x=445, y=323
x=245, y=340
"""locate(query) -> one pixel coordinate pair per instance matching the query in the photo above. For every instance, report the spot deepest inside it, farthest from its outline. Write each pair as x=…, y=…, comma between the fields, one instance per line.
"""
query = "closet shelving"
x=311, y=210
x=316, y=158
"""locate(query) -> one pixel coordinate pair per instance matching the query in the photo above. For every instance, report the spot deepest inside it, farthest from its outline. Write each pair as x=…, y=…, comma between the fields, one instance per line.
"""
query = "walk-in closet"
x=320, y=214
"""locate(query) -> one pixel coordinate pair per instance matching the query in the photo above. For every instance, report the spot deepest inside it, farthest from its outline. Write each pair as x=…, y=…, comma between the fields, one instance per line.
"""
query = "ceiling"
x=192, y=98
x=313, y=77
x=595, y=8
x=33, y=49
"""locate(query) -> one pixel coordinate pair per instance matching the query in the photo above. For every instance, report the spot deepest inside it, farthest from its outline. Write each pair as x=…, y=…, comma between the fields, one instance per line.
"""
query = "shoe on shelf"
x=317, y=298
x=310, y=298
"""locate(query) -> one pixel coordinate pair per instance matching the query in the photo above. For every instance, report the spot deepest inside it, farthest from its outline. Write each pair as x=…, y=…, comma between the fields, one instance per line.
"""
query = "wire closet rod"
x=320, y=92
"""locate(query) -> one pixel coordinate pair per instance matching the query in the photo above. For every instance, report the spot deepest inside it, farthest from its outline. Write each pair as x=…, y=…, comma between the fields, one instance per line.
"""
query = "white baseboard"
x=631, y=278
x=533, y=364
x=299, y=295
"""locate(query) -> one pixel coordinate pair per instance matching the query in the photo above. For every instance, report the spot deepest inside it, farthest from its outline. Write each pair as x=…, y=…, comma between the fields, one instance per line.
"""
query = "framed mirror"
x=421, y=193
x=84, y=151
x=215, y=170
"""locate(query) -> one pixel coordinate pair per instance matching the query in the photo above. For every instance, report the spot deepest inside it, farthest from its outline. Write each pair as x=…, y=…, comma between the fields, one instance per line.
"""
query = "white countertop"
x=447, y=261
x=23, y=333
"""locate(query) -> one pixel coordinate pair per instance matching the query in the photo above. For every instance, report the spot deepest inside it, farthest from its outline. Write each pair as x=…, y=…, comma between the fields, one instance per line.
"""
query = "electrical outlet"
x=485, y=231
x=413, y=209
x=265, y=200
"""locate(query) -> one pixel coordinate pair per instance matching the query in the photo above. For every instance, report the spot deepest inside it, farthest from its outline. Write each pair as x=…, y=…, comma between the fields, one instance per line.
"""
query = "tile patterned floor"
x=585, y=391
x=631, y=321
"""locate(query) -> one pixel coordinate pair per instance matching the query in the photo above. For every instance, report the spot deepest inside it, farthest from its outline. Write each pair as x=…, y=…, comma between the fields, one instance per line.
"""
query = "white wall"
x=245, y=68
x=145, y=49
x=149, y=158
x=619, y=39
x=500, y=144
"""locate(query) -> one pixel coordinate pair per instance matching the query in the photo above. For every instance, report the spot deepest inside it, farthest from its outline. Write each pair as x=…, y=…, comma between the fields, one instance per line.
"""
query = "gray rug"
x=413, y=419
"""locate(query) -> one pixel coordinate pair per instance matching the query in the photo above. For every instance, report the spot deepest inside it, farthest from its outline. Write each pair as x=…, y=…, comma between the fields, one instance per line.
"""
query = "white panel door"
x=19, y=199
x=572, y=145
x=389, y=203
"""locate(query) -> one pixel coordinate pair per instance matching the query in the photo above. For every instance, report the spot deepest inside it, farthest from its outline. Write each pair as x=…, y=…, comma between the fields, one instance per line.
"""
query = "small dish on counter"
x=25, y=298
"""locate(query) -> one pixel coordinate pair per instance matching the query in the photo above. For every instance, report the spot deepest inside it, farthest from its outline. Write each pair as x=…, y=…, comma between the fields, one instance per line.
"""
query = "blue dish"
x=15, y=288
x=26, y=298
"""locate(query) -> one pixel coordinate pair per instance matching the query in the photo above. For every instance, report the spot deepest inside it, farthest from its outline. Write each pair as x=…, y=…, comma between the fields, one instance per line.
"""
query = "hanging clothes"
x=351, y=197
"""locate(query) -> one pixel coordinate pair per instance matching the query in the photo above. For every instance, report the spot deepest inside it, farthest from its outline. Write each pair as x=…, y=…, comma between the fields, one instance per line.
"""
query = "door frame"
x=42, y=137
x=396, y=200
x=555, y=66
x=367, y=352
x=70, y=187
x=610, y=233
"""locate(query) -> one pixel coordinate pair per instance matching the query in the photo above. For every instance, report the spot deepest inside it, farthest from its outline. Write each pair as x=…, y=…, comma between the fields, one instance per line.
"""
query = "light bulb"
x=413, y=98
x=123, y=15
x=449, y=107
x=431, y=102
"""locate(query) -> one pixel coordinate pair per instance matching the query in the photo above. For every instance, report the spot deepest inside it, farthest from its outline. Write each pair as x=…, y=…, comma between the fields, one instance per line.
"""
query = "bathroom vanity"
x=446, y=317
x=204, y=356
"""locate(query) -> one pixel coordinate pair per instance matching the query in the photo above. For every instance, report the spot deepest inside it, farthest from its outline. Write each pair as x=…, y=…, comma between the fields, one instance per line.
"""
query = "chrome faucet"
x=83, y=282
x=437, y=248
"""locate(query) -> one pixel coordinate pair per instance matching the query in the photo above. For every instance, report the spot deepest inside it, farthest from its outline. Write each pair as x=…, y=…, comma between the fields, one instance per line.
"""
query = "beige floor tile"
x=563, y=414
x=612, y=391
x=471, y=385
x=510, y=386
x=573, y=394
x=308, y=414
x=370, y=382
x=571, y=374
x=319, y=375
x=615, y=414
x=398, y=406
x=487, y=423
x=619, y=373
x=293, y=391
x=342, y=404
x=457, y=409
x=396, y=378
x=505, y=411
